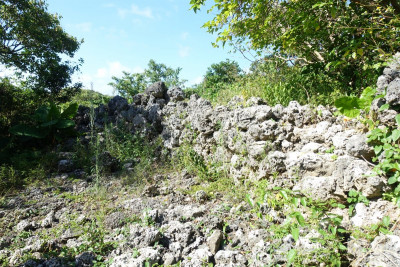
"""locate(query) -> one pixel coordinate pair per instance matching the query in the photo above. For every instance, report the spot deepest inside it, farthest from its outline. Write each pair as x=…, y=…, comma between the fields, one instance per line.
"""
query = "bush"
x=277, y=83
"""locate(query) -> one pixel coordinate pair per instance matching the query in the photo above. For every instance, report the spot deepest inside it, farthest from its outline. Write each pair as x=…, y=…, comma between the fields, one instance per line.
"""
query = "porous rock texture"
x=308, y=150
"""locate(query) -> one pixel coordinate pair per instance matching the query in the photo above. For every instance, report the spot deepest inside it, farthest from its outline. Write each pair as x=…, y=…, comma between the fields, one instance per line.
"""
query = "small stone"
x=214, y=242
x=151, y=191
x=65, y=165
x=47, y=222
x=115, y=220
x=201, y=196
x=24, y=225
x=85, y=259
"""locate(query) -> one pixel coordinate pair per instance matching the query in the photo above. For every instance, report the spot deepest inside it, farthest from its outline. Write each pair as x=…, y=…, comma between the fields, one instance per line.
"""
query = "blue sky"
x=124, y=35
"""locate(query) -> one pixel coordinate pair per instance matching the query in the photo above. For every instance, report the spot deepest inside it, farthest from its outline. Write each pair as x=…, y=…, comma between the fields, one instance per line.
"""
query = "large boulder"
x=157, y=89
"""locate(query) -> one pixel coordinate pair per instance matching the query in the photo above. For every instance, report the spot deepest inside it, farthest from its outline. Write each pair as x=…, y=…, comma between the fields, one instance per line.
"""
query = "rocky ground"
x=257, y=186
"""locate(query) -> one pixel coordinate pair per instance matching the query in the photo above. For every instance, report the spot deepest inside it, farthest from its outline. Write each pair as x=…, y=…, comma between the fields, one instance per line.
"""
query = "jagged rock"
x=25, y=225
x=117, y=104
x=198, y=257
x=147, y=255
x=357, y=147
x=48, y=221
x=157, y=90
x=65, y=165
x=85, y=259
x=393, y=92
x=228, y=258
x=385, y=252
x=373, y=213
x=176, y=94
x=319, y=188
x=359, y=176
x=115, y=220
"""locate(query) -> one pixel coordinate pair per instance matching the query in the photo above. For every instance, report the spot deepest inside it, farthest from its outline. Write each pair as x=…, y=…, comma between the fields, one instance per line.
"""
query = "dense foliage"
x=346, y=40
x=32, y=41
x=273, y=80
x=131, y=84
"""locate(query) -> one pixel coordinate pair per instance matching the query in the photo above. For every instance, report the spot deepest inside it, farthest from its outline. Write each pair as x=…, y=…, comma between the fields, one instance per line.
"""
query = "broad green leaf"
x=398, y=119
x=368, y=92
x=62, y=124
x=41, y=114
x=29, y=131
x=70, y=112
x=348, y=106
x=54, y=112
x=49, y=123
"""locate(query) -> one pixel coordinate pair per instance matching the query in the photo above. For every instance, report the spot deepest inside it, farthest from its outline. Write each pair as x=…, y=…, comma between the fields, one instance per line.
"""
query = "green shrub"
x=277, y=83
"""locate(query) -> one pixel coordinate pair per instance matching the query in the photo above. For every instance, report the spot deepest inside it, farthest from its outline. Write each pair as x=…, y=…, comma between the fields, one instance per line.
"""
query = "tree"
x=346, y=39
x=129, y=84
x=160, y=72
x=223, y=72
x=33, y=42
x=132, y=84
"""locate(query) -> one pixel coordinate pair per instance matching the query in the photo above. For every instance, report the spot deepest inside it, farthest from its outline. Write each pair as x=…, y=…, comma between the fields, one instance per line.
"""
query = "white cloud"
x=102, y=77
x=6, y=72
x=145, y=12
x=85, y=27
x=184, y=51
x=101, y=73
x=196, y=80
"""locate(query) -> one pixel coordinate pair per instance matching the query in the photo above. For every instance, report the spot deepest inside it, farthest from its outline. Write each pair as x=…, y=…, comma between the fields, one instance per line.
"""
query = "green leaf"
x=284, y=194
x=368, y=92
x=377, y=149
x=29, y=131
x=392, y=180
x=300, y=219
x=384, y=107
x=395, y=135
x=291, y=256
x=49, y=123
x=295, y=233
x=54, y=112
x=348, y=106
x=303, y=201
x=70, y=112
x=41, y=114
x=62, y=124
x=386, y=221
x=398, y=119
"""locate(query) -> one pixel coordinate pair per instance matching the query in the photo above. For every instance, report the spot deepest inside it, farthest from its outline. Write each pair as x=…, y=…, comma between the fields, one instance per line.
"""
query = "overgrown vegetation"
x=131, y=84
x=274, y=81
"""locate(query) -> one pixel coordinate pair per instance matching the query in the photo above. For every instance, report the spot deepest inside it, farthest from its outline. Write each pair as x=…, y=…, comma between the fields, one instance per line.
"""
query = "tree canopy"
x=33, y=42
x=223, y=72
x=133, y=83
x=346, y=39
